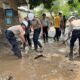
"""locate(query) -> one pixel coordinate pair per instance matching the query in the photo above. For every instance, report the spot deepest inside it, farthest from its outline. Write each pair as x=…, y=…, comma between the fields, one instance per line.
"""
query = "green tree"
x=66, y=6
x=75, y=6
x=35, y=3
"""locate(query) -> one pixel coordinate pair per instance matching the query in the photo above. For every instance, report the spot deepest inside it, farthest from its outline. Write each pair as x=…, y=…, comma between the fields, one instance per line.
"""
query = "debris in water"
x=71, y=70
x=38, y=56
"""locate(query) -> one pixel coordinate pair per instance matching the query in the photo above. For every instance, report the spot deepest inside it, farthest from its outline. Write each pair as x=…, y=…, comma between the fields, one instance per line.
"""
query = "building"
x=9, y=11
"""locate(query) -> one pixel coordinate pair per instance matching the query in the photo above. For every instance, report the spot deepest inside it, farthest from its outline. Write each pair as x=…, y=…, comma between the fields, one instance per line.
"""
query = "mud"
x=53, y=66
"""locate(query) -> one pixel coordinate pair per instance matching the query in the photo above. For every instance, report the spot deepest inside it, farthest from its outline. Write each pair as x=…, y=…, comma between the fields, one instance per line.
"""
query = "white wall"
x=22, y=15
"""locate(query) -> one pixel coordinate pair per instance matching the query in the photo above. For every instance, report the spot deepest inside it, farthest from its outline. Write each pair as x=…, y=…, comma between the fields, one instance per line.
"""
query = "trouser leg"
x=35, y=39
x=71, y=53
x=57, y=34
x=35, y=43
x=16, y=50
x=39, y=44
x=27, y=37
x=46, y=32
x=44, y=35
x=72, y=41
x=11, y=38
x=15, y=47
x=79, y=44
x=29, y=40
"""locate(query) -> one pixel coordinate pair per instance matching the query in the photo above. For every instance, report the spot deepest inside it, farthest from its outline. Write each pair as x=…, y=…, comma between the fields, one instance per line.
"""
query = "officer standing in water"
x=37, y=27
x=12, y=32
x=75, y=29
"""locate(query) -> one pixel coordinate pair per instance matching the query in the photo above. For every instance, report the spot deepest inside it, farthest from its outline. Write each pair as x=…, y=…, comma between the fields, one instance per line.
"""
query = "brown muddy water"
x=53, y=66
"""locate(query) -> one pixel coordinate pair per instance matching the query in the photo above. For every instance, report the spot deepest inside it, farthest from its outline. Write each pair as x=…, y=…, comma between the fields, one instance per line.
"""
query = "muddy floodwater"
x=52, y=66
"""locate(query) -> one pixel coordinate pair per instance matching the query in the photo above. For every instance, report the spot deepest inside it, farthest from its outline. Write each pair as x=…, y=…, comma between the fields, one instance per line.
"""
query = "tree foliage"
x=70, y=1
x=66, y=6
x=35, y=3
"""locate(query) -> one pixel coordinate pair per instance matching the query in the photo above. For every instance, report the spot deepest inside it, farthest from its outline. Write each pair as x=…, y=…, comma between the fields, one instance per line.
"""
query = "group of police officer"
x=22, y=31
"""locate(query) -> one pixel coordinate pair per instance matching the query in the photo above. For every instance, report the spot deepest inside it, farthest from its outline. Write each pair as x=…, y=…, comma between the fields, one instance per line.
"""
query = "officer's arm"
x=21, y=36
x=40, y=25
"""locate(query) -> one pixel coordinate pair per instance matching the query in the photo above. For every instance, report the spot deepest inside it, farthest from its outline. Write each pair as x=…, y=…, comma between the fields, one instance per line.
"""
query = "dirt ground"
x=53, y=66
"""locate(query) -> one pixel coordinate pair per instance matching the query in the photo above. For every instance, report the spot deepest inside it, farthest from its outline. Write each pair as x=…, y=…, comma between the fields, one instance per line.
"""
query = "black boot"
x=71, y=53
x=79, y=51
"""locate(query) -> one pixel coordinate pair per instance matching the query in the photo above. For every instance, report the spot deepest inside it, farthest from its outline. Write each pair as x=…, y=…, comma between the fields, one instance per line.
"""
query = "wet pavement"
x=52, y=66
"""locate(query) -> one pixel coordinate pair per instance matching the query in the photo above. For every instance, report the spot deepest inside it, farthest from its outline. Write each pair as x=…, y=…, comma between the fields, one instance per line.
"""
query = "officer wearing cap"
x=37, y=27
x=28, y=30
x=45, y=23
x=75, y=29
x=12, y=32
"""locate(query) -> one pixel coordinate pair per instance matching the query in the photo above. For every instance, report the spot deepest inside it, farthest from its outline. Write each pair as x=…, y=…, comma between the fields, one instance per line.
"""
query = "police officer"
x=12, y=32
x=75, y=29
x=37, y=27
